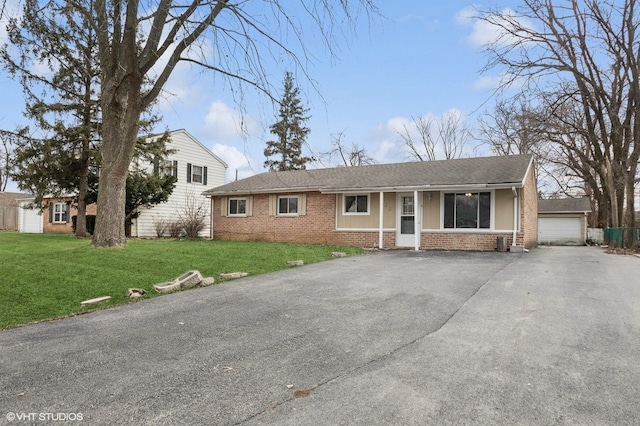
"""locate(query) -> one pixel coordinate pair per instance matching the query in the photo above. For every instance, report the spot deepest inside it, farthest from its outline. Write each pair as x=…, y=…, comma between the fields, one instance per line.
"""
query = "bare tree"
x=428, y=138
x=453, y=135
x=590, y=51
x=353, y=156
x=511, y=128
x=6, y=158
x=140, y=43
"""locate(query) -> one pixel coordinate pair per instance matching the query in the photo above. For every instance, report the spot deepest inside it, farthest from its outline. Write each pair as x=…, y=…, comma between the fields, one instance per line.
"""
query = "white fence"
x=595, y=235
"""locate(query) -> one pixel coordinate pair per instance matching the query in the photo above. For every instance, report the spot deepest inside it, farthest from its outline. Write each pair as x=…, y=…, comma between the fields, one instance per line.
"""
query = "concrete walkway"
x=547, y=337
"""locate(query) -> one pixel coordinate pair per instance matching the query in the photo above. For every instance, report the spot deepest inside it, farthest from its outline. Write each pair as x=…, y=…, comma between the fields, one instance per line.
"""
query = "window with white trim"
x=237, y=207
x=169, y=168
x=60, y=212
x=196, y=174
x=356, y=204
x=467, y=210
x=288, y=206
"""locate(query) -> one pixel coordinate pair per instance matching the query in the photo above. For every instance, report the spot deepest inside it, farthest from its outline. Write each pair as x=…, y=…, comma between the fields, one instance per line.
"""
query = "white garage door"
x=560, y=231
x=30, y=221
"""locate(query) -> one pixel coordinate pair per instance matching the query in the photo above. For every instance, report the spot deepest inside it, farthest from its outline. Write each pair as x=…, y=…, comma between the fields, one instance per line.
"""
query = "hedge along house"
x=462, y=204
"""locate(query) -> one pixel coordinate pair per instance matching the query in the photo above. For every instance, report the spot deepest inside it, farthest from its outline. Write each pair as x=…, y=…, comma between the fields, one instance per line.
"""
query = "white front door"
x=405, y=223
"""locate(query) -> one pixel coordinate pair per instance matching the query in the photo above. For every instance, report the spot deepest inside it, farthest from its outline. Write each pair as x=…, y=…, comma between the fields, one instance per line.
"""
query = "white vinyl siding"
x=187, y=151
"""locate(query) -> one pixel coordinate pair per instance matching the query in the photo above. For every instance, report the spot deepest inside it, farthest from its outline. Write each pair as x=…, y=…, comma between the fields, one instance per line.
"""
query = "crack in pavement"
x=381, y=357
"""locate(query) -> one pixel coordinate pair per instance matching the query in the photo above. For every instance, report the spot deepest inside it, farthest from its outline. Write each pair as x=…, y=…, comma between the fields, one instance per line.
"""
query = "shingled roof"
x=489, y=171
x=564, y=205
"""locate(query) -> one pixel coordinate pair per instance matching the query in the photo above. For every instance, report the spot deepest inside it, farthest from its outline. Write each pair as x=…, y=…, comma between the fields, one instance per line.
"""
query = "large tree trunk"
x=630, y=214
x=121, y=109
x=83, y=187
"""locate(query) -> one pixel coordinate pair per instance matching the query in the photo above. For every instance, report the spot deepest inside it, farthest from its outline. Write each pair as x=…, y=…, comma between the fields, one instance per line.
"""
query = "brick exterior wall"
x=62, y=228
x=529, y=211
x=318, y=226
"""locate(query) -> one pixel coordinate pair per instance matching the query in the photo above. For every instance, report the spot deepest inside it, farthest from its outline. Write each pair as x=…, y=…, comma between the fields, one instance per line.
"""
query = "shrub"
x=91, y=223
x=161, y=226
x=194, y=218
x=174, y=228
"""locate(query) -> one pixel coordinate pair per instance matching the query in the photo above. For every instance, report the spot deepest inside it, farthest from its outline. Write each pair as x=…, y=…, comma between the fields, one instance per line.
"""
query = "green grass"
x=47, y=276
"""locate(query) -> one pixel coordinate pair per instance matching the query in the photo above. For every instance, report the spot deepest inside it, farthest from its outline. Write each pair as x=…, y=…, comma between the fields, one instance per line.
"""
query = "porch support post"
x=381, y=223
x=416, y=224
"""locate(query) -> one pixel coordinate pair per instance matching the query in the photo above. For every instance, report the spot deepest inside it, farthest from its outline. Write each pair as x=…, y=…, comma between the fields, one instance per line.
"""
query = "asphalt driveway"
x=546, y=337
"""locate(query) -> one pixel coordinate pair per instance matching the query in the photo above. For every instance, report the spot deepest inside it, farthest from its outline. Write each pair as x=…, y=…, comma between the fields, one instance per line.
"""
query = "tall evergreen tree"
x=285, y=153
x=54, y=56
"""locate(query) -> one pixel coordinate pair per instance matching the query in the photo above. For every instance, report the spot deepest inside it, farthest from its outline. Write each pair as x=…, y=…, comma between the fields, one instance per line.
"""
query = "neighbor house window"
x=237, y=206
x=356, y=204
x=169, y=168
x=196, y=174
x=468, y=210
x=288, y=206
x=60, y=213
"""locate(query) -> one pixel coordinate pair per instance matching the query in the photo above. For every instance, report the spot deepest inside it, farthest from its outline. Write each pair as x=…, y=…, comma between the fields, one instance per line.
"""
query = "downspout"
x=515, y=215
x=212, y=210
x=416, y=225
x=381, y=223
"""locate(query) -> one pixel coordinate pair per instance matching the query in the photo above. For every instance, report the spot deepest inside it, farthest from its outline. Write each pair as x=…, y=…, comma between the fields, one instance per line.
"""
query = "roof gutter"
x=506, y=185
x=347, y=190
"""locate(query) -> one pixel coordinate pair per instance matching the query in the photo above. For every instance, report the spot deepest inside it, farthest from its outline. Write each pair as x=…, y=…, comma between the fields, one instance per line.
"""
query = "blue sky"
x=420, y=58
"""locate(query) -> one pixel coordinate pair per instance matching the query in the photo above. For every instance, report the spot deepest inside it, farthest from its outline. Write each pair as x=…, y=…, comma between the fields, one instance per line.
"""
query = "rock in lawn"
x=135, y=292
x=295, y=262
x=339, y=254
x=96, y=300
x=233, y=275
x=206, y=281
x=167, y=287
x=189, y=279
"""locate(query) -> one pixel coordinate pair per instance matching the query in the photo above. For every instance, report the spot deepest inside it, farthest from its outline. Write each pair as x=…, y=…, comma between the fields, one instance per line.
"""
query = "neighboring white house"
x=197, y=169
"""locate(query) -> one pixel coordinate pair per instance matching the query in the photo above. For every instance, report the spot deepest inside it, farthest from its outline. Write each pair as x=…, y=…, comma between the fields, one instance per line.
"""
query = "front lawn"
x=47, y=276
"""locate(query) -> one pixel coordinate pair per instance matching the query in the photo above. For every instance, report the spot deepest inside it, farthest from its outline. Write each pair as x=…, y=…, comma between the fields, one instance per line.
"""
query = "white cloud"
x=493, y=82
x=225, y=123
x=236, y=160
x=385, y=151
x=391, y=149
x=484, y=33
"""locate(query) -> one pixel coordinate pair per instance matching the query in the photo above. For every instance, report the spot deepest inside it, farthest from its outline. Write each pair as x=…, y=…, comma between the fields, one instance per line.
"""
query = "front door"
x=406, y=225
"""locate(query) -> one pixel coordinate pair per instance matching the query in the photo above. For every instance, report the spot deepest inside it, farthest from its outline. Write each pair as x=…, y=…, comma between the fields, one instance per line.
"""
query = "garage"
x=560, y=231
x=563, y=221
x=30, y=220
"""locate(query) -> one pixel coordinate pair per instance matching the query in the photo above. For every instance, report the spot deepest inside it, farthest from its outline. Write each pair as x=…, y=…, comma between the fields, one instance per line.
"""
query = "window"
x=356, y=204
x=469, y=210
x=237, y=206
x=288, y=206
x=60, y=213
x=196, y=174
x=169, y=168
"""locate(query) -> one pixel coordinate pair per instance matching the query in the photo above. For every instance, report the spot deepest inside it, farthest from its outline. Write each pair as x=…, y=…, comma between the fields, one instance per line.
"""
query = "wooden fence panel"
x=9, y=218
